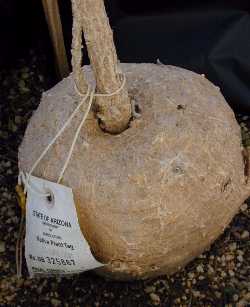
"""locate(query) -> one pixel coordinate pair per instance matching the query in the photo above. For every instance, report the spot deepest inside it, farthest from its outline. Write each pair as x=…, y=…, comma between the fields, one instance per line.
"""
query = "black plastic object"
x=22, y=26
x=214, y=42
x=211, y=37
x=8, y=31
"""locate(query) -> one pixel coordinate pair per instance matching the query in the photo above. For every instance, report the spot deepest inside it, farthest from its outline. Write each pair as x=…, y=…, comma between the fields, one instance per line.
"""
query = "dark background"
x=209, y=37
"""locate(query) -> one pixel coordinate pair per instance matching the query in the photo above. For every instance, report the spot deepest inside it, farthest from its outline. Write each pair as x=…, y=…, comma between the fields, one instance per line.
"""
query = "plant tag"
x=54, y=243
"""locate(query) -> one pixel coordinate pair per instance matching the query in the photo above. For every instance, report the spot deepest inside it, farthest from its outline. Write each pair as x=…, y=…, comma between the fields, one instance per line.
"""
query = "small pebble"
x=244, y=207
x=217, y=294
x=196, y=293
x=235, y=297
x=25, y=75
x=2, y=247
x=231, y=273
x=18, y=119
x=245, y=234
x=229, y=257
x=210, y=269
x=155, y=298
x=55, y=302
x=149, y=289
x=200, y=269
x=223, y=274
x=191, y=275
x=247, y=297
x=240, y=258
x=233, y=246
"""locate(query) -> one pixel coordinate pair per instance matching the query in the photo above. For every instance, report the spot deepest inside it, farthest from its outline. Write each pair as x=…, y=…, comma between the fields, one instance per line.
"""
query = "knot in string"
x=25, y=178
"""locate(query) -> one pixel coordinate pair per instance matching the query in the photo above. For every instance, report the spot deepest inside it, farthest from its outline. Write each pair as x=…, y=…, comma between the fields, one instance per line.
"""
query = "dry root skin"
x=155, y=196
x=76, y=48
x=114, y=112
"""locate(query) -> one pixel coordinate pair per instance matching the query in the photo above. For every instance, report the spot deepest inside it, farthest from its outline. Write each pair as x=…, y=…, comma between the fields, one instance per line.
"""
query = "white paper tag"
x=54, y=243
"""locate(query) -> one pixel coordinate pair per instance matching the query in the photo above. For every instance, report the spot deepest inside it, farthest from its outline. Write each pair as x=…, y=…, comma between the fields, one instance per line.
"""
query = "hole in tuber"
x=181, y=107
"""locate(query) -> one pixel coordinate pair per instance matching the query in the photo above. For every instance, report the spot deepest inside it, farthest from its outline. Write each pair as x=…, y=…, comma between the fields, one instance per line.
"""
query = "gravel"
x=2, y=247
x=219, y=277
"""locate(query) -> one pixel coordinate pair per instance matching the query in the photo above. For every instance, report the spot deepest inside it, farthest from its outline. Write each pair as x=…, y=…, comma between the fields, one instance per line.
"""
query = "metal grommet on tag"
x=50, y=199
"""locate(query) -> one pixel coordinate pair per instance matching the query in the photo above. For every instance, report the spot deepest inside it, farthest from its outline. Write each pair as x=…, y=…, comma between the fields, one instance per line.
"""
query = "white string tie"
x=24, y=178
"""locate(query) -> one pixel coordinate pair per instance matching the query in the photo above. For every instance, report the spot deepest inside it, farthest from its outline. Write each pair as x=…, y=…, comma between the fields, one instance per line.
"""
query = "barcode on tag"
x=54, y=243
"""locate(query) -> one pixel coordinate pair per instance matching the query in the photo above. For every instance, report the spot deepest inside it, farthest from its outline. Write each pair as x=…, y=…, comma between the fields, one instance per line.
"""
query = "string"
x=80, y=81
x=59, y=133
x=76, y=137
x=24, y=178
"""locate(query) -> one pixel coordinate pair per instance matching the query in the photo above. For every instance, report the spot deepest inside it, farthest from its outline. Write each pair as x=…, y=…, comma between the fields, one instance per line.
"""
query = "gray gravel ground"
x=219, y=277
